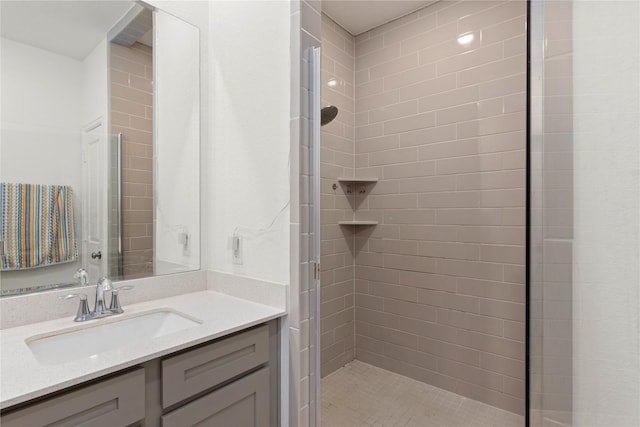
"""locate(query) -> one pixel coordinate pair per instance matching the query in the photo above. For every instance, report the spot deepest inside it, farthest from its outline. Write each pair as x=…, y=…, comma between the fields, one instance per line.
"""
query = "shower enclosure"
x=583, y=217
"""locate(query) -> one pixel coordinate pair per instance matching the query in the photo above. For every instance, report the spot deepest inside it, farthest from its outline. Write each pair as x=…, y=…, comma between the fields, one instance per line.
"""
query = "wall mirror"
x=99, y=143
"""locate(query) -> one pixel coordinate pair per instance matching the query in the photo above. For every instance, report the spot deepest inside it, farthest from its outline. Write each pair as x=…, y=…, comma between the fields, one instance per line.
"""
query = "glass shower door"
x=585, y=213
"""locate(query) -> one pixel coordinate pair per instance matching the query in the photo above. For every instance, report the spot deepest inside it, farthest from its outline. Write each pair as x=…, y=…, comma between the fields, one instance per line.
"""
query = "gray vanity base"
x=231, y=381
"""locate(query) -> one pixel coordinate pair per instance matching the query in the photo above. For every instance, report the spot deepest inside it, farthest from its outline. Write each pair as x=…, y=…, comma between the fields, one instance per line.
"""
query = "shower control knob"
x=96, y=255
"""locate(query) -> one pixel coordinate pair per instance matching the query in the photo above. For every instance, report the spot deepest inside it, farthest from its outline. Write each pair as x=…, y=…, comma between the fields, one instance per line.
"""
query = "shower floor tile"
x=363, y=395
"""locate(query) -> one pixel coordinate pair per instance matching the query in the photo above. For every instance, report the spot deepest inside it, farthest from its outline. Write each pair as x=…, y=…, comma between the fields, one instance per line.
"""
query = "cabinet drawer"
x=203, y=368
x=242, y=403
x=118, y=401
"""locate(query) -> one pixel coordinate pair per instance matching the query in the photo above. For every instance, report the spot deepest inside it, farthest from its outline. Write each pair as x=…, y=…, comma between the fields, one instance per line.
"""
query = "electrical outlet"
x=236, y=248
x=183, y=239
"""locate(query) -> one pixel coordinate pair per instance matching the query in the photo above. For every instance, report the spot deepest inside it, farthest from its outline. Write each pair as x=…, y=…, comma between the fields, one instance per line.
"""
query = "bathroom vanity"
x=222, y=370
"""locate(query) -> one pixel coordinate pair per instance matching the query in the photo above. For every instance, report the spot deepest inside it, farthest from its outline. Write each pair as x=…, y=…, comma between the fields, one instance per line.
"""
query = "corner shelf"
x=365, y=223
x=350, y=185
x=359, y=180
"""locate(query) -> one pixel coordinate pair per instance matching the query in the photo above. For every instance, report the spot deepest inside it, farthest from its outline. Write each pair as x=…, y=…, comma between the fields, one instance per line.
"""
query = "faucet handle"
x=115, y=299
x=105, y=284
x=83, y=308
x=81, y=274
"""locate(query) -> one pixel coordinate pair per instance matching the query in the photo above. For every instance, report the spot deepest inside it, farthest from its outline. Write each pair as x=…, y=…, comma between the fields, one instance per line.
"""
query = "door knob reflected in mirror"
x=96, y=255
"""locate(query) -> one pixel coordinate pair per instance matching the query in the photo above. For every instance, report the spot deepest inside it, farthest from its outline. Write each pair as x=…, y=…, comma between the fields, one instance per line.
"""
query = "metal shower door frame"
x=314, y=235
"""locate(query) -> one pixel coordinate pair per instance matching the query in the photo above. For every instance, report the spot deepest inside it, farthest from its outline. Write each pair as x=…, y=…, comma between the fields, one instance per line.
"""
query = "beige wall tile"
x=410, y=76
x=368, y=145
x=410, y=356
x=409, y=170
x=394, y=336
x=392, y=67
x=503, y=309
x=471, y=374
x=436, y=36
x=490, y=16
x=511, y=367
x=513, y=47
x=416, y=26
x=515, y=330
x=457, y=199
x=409, y=216
x=368, y=45
x=410, y=309
x=376, y=101
x=449, y=351
x=452, y=98
x=428, y=281
x=457, y=114
x=393, y=111
x=504, y=86
x=427, y=184
x=480, y=270
x=479, y=163
x=389, y=157
x=378, y=57
x=491, y=397
x=428, y=87
x=492, y=71
x=462, y=9
x=369, y=88
x=505, y=30
x=428, y=136
x=490, y=344
x=470, y=59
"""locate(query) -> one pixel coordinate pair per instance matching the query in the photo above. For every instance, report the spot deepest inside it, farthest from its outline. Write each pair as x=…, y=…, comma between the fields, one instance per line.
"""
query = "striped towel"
x=37, y=225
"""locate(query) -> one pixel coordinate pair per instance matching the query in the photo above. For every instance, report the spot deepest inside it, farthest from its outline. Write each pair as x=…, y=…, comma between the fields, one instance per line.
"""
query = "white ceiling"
x=70, y=28
x=358, y=16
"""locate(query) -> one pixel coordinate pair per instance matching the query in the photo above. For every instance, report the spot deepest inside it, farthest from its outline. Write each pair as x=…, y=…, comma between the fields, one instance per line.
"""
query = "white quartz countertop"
x=24, y=378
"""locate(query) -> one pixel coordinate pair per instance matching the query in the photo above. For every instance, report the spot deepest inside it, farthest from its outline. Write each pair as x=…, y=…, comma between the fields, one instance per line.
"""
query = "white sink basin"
x=111, y=333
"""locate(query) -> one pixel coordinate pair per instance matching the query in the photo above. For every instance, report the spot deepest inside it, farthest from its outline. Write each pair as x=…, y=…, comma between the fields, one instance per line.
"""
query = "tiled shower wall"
x=132, y=114
x=336, y=160
x=440, y=282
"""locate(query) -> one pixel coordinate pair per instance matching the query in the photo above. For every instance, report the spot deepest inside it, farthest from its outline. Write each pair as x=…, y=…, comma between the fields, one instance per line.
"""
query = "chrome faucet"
x=82, y=275
x=100, y=308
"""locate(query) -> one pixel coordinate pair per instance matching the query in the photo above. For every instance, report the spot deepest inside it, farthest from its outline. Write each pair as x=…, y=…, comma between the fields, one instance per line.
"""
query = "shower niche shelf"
x=359, y=180
x=357, y=187
x=350, y=184
x=364, y=223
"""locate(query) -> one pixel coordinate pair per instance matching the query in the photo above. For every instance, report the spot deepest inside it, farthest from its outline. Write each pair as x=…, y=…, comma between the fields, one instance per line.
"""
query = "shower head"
x=327, y=114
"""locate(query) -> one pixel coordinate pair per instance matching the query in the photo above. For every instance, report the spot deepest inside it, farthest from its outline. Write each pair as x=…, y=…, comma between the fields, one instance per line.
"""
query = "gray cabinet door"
x=243, y=403
x=203, y=368
x=116, y=402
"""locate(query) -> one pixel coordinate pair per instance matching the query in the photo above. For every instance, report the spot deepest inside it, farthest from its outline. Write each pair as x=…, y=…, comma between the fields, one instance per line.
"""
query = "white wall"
x=606, y=275
x=248, y=162
x=40, y=136
x=197, y=13
x=177, y=144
